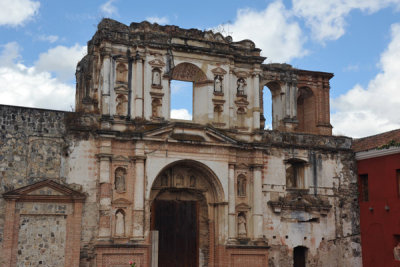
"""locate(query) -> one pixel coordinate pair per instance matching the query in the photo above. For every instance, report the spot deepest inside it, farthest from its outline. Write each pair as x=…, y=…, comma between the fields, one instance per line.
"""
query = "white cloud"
x=9, y=54
x=181, y=114
x=16, y=12
x=48, y=38
x=366, y=111
x=271, y=29
x=159, y=20
x=108, y=8
x=327, y=18
x=61, y=60
x=32, y=86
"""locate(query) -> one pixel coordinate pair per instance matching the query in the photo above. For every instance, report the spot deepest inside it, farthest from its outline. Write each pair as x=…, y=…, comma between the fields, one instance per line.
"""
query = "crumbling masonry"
x=118, y=178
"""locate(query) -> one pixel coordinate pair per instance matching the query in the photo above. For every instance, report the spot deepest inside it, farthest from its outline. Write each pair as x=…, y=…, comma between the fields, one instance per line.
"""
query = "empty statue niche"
x=306, y=109
x=241, y=117
x=300, y=256
x=295, y=169
x=122, y=73
x=218, y=113
x=120, y=223
x=156, y=108
x=120, y=180
x=121, y=105
x=156, y=78
x=241, y=185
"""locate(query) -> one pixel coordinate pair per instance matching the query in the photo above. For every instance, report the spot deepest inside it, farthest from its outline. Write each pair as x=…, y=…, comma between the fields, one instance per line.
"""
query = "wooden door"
x=177, y=223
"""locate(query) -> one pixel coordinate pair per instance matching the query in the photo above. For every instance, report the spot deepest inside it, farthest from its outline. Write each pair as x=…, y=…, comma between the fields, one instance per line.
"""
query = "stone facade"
x=123, y=169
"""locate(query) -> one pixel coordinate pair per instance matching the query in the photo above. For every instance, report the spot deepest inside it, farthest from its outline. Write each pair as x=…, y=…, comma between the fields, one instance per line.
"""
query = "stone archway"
x=188, y=72
x=182, y=210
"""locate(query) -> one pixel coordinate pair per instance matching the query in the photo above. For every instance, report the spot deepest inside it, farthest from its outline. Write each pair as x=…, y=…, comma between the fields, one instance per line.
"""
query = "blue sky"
x=358, y=40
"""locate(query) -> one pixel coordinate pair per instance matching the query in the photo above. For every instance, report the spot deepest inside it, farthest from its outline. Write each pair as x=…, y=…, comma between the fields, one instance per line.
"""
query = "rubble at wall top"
x=153, y=34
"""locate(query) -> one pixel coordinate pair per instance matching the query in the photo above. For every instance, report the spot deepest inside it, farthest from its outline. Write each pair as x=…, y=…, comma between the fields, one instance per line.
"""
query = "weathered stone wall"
x=31, y=146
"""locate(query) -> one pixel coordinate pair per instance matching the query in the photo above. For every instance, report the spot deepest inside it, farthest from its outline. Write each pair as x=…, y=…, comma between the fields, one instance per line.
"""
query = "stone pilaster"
x=139, y=89
x=138, y=206
x=257, y=202
x=106, y=86
x=105, y=190
x=231, y=203
x=256, y=109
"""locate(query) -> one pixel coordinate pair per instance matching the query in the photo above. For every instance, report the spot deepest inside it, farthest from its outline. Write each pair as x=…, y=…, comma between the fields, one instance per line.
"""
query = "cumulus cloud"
x=48, y=38
x=159, y=20
x=272, y=30
x=108, y=8
x=374, y=109
x=16, y=12
x=32, y=86
x=181, y=114
x=327, y=19
x=61, y=60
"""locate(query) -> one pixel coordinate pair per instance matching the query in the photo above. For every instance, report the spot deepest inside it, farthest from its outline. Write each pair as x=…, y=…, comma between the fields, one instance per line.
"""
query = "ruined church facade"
x=118, y=180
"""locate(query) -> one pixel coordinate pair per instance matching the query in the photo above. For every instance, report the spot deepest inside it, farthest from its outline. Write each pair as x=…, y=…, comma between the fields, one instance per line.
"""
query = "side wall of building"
x=379, y=207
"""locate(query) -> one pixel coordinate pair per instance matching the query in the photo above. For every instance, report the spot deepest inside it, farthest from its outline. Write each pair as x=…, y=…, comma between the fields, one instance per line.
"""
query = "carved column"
x=231, y=204
x=106, y=86
x=257, y=202
x=139, y=89
x=139, y=190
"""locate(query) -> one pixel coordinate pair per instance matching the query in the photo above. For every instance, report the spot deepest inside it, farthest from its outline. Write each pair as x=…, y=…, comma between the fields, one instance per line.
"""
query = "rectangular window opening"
x=364, y=187
x=181, y=100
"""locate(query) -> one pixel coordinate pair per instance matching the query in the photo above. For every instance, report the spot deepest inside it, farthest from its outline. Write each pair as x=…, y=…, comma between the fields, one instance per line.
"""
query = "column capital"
x=256, y=166
x=104, y=156
x=139, y=158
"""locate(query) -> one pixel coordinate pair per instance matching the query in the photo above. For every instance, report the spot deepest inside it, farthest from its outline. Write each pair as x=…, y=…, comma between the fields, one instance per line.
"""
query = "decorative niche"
x=122, y=73
x=156, y=78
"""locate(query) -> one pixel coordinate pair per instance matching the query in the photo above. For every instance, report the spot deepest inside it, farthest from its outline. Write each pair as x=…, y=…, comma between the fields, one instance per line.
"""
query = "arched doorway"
x=182, y=211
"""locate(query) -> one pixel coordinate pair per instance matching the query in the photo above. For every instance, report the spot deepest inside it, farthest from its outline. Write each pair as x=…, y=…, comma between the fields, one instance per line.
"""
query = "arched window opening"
x=181, y=100
x=306, y=111
x=273, y=106
x=186, y=83
x=266, y=116
x=299, y=256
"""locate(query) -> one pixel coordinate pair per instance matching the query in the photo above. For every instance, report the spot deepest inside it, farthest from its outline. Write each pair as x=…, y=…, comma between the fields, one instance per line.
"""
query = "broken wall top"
x=175, y=38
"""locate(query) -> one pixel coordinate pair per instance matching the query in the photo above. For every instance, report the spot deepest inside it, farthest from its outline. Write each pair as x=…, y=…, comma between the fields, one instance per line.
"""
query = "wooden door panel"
x=176, y=222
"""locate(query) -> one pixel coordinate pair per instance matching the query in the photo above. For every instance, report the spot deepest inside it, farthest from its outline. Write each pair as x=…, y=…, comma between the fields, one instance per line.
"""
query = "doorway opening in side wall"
x=181, y=100
x=299, y=256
